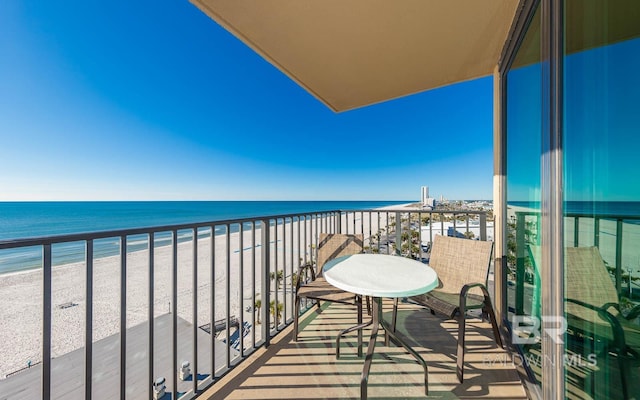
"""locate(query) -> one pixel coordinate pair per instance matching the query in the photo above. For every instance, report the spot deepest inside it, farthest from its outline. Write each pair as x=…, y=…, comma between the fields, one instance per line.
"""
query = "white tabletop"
x=380, y=275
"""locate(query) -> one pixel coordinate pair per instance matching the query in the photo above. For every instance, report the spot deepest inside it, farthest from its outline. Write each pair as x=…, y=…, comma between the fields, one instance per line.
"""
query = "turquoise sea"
x=20, y=220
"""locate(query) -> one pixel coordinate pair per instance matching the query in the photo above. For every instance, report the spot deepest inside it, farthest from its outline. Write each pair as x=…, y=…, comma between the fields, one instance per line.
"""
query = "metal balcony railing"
x=236, y=271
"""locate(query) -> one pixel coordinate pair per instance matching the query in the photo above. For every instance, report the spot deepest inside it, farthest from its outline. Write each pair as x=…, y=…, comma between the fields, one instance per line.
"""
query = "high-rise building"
x=424, y=195
x=425, y=199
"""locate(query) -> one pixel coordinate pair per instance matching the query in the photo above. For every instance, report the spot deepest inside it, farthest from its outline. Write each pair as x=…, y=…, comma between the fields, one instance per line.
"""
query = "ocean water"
x=19, y=220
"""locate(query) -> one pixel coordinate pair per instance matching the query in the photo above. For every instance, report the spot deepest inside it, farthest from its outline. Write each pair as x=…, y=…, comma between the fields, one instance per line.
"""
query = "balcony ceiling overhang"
x=353, y=53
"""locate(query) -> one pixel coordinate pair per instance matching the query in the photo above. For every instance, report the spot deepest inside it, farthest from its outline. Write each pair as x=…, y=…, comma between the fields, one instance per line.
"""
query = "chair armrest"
x=618, y=332
x=465, y=290
x=469, y=286
x=301, y=269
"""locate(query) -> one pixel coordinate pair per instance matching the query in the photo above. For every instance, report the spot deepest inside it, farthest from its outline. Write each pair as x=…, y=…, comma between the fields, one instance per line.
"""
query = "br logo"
x=529, y=330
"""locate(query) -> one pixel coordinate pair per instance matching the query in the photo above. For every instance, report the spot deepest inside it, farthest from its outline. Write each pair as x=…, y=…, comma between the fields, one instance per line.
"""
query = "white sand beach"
x=21, y=293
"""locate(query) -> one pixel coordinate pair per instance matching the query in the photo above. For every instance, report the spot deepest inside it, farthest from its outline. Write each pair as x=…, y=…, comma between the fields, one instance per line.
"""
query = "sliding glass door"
x=571, y=133
x=523, y=147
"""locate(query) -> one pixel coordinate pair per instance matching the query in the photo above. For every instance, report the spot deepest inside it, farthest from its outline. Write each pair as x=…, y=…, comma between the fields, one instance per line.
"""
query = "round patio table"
x=378, y=276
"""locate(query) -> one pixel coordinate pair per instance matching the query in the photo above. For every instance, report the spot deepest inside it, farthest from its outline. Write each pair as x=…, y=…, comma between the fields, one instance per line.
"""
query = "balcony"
x=220, y=294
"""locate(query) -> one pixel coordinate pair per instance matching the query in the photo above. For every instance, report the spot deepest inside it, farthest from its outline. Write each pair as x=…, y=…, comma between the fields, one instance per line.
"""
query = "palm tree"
x=258, y=308
x=273, y=311
x=278, y=276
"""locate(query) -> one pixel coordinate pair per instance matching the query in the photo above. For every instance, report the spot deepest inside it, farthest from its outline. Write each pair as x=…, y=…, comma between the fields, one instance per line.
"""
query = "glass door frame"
x=551, y=172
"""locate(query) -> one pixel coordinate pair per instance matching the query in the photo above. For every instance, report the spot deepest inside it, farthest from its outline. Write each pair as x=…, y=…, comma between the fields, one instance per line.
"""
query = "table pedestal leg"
x=376, y=321
x=411, y=351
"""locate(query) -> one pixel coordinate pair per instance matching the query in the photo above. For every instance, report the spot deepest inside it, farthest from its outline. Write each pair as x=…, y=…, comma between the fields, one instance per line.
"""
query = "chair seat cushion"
x=447, y=303
x=320, y=289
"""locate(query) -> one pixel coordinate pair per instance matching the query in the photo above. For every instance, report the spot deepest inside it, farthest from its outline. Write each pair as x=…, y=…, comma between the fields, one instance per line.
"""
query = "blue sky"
x=154, y=101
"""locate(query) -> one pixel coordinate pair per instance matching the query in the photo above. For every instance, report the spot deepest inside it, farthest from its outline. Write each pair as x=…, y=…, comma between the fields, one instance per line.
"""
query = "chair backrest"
x=332, y=245
x=460, y=261
x=588, y=280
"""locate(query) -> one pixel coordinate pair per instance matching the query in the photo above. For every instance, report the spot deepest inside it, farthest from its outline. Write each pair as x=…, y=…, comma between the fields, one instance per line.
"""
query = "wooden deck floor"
x=308, y=369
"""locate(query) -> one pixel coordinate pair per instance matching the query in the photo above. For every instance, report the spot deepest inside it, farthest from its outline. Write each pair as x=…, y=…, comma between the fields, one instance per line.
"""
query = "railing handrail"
x=80, y=236
x=73, y=237
x=587, y=215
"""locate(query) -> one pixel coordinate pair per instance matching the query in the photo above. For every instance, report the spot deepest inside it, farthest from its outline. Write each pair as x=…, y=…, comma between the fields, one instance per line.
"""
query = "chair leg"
x=358, y=328
x=359, y=304
x=624, y=368
x=368, y=305
x=486, y=309
x=462, y=320
x=461, y=332
x=296, y=312
x=494, y=324
x=394, y=318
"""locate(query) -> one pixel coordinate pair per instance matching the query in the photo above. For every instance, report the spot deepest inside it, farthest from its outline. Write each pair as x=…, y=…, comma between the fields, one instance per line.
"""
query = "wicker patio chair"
x=593, y=309
x=462, y=266
x=330, y=246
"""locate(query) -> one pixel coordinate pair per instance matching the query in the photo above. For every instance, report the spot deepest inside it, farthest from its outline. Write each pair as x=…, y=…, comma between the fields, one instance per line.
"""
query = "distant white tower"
x=427, y=202
x=424, y=195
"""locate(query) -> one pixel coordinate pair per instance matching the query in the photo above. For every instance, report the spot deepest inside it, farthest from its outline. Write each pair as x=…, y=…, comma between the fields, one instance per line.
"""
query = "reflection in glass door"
x=523, y=137
x=602, y=199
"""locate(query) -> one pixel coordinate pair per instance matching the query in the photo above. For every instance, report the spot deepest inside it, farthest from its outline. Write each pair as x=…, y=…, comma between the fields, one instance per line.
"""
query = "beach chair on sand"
x=462, y=266
x=330, y=246
x=593, y=310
